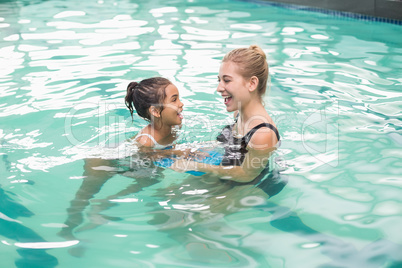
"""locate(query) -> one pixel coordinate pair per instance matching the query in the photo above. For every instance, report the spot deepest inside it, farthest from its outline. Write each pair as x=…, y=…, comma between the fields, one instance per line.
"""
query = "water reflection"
x=61, y=63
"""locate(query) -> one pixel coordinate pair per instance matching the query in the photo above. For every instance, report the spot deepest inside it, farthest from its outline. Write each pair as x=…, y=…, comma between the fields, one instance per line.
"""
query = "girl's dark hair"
x=149, y=92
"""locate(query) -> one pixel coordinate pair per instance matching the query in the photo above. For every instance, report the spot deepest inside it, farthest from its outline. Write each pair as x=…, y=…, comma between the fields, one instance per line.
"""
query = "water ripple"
x=335, y=97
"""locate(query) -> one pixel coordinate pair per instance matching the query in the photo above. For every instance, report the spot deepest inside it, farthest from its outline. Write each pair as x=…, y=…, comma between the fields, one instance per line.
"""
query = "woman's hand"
x=195, y=154
x=199, y=155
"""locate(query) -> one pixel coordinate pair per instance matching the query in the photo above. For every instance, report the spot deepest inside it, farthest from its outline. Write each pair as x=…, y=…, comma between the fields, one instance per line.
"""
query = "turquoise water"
x=335, y=96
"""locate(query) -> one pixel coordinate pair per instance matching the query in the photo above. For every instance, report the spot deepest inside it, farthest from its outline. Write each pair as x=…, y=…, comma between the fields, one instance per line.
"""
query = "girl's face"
x=171, y=114
x=232, y=86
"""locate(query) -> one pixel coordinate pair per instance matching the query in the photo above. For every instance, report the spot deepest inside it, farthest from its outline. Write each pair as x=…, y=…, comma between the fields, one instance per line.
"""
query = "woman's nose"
x=219, y=88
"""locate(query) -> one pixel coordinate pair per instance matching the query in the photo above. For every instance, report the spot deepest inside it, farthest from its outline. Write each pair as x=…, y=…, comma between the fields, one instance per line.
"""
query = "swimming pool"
x=335, y=95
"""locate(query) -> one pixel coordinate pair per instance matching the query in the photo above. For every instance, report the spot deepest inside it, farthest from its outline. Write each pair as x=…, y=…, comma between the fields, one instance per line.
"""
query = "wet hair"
x=149, y=92
x=252, y=61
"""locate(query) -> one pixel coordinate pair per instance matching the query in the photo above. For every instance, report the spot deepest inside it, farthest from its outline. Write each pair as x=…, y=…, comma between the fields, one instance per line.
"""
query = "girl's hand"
x=183, y=165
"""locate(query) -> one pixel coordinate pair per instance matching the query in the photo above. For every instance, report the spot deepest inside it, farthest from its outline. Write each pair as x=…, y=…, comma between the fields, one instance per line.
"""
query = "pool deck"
x=386, y=9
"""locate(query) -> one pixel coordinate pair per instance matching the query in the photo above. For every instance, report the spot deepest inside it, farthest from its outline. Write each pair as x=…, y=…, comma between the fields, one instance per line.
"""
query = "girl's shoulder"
x=144, y=139
x=147, y=140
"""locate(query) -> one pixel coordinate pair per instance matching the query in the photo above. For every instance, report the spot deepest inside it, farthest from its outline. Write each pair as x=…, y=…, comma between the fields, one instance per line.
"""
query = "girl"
x=157, y=101
x=252, y=138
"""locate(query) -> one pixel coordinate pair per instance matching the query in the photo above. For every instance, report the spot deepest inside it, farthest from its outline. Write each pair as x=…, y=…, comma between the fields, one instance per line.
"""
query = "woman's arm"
x=254, y=162
x=259, y=150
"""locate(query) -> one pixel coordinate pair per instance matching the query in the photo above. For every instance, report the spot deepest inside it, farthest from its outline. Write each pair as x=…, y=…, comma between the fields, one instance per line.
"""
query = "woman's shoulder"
x=264, y=136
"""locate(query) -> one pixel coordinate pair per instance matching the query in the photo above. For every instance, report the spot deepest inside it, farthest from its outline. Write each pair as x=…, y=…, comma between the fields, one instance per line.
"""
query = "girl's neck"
x=160, y=131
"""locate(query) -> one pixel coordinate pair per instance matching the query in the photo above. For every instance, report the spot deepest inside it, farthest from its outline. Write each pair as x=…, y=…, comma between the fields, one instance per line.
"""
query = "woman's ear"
x=154, y=112
x=253, y=83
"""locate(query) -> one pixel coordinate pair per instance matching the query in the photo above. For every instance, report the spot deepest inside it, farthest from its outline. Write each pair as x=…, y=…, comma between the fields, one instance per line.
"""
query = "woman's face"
x=232, y=86
x=171, y=114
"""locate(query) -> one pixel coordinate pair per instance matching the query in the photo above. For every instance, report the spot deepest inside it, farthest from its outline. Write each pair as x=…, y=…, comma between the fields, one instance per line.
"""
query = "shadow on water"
x=207, y=231
x=196, y=211
x=376, y=254
x=13, y=229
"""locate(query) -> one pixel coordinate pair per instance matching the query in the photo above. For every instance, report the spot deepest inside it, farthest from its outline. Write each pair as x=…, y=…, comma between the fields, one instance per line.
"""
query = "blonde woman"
x=251, y=139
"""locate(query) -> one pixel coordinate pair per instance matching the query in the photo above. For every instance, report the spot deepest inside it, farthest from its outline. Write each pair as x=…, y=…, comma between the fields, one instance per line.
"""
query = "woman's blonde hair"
x=252, y=61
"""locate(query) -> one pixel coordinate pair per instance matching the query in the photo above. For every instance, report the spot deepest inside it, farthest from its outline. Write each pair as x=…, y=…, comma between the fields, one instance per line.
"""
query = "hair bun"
x=258, y=50
x=132, y=85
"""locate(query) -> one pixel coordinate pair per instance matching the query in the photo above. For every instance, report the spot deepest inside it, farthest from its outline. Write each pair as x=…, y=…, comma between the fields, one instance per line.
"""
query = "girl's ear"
x=253, y=83
x=154, y=112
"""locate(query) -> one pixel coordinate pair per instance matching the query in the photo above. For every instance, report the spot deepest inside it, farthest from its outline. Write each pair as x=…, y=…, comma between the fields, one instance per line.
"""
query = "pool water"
x=335, y=95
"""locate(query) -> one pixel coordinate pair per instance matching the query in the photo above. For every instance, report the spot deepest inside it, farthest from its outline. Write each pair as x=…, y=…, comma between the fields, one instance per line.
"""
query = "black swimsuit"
x=271, y=182
x=236, y=148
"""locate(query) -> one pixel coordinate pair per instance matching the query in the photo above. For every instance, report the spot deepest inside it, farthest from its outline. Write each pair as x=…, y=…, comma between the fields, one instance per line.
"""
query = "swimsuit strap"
x=149, y=136
x=156, y=144
x=249, y=134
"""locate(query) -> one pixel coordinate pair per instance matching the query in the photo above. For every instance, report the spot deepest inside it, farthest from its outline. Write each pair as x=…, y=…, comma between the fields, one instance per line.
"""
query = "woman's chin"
x=230, y=109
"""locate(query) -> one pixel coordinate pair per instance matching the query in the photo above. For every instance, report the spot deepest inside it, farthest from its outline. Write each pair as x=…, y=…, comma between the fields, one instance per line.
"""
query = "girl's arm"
x=96, y=173
x=155, y=154
x=177, y=151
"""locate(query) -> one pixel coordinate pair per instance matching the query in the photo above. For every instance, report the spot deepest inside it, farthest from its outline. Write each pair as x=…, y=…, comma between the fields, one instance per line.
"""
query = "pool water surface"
x=332, y=199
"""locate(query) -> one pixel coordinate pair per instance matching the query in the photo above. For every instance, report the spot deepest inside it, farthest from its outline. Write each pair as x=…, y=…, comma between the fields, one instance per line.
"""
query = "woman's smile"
x=227, y=100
